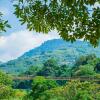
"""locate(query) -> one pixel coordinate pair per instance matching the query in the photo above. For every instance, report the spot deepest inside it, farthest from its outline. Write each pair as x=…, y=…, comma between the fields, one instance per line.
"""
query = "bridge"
x=58, y=78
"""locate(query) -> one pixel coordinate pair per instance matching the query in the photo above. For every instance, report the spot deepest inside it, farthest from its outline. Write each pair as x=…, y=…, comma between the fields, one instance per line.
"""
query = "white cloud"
x=16, y=44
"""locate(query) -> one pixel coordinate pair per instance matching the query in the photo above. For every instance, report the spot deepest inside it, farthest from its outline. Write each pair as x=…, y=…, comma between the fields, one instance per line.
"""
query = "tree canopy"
x=5, y=79
x=6, y=90
x=71, y=18
x=74, y=90
x=3, y=24
x=39, y=85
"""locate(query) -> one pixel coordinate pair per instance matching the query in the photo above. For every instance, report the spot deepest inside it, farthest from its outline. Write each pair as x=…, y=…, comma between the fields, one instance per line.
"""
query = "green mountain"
x=64, y=52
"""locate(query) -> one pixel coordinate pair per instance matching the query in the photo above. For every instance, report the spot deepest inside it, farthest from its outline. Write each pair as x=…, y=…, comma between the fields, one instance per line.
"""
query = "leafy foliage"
x=5, y=79
x=86, y=66
x=74, y=90
x=85, y=70
x=52, y=68
x=83, y=60
x=3, y=24
x=6, y=91
x=39, y=85
x=19, y=94
x=49, y=68
x=65, y=16
x=33, y=70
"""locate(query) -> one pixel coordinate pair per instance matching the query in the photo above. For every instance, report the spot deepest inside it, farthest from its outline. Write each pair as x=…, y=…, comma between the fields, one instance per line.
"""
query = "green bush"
x=74, y=90
x=5, y=79
x=6, y=92
x=39, y=85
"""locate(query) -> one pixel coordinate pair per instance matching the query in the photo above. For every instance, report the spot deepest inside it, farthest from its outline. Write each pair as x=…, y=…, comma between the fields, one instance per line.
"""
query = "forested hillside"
x=64, y=52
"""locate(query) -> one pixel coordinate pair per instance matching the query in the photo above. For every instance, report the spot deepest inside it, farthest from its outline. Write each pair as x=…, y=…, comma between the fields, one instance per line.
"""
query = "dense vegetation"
x=65, y=54
x=5, y=86
x=66, y=16
x=51, y=62
x=41, y=88
x=3, y=24
x=79, y=17
x=74, y=90
x=50, y=68
x=84, y=66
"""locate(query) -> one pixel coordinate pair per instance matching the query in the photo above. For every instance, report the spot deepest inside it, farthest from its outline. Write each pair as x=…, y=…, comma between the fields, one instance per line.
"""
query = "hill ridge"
x=64, y=52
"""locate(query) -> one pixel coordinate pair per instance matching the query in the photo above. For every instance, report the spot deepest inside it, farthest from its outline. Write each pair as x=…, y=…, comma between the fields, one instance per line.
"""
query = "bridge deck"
x=60, y=78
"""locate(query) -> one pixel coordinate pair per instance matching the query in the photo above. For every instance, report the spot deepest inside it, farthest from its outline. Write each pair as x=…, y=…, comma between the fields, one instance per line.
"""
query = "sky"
x=17, y=40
